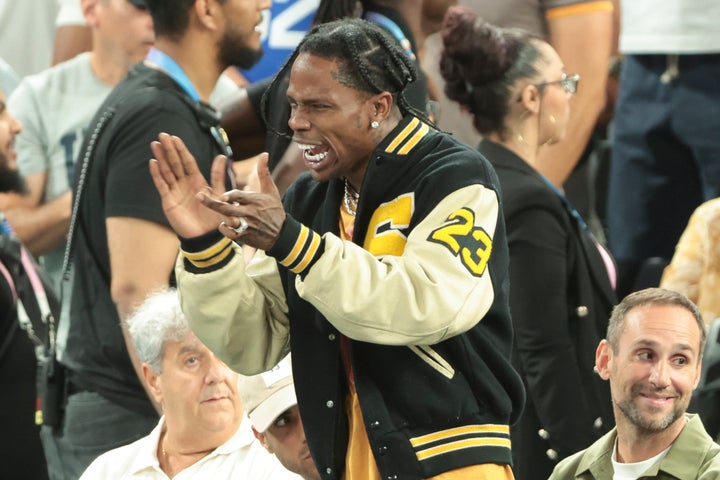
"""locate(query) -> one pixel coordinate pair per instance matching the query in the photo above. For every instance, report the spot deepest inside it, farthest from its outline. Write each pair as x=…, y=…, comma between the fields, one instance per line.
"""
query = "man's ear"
x=381, y=104
x=207, y=12
x=603, y=359
x=89, y=11
x=263, y=441
x=152, y=380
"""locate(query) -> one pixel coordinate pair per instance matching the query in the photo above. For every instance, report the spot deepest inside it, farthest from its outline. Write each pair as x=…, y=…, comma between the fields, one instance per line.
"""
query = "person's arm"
x=542, y=328
x=142, y=255
x=72, y=34
x=244, y=127
x=42, y=228
x=583, y=39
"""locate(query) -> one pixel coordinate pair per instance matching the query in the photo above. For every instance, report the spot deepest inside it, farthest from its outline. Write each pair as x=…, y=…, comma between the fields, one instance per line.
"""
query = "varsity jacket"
x=419, y=297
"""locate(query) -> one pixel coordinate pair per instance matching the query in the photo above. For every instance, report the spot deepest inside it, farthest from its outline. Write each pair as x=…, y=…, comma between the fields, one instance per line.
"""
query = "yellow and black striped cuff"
x=207, y=253
x=297, y=247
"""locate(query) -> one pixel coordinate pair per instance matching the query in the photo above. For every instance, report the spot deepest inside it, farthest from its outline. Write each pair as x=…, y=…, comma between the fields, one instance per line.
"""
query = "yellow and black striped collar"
x=406, y=136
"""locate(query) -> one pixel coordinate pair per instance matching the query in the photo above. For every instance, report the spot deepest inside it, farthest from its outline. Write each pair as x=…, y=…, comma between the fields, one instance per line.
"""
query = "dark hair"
x=481, y=64
x=171, y=17
x=330, y=10
x=370, y=60
x=650, y=296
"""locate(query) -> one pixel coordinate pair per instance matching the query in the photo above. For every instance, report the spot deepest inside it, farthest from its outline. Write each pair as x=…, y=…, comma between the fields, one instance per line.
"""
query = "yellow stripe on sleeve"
x=299, y=244
x=579, y=9
x=454, y=432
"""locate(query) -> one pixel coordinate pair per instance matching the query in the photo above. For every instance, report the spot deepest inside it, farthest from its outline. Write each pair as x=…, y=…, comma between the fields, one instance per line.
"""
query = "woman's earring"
x=374, y=124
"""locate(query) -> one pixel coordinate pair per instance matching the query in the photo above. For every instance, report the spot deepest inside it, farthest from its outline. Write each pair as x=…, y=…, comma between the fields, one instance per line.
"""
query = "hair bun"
x=474, y=50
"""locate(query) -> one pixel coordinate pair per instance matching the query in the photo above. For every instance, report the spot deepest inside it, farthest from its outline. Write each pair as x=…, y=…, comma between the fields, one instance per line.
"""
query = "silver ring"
x=243, y=226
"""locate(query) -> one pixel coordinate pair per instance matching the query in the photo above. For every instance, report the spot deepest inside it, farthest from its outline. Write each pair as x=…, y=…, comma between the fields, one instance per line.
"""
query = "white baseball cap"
x=267, y=395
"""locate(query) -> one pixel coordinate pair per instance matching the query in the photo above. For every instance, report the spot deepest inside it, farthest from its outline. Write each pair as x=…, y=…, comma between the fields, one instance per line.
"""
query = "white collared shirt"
x=242, y=456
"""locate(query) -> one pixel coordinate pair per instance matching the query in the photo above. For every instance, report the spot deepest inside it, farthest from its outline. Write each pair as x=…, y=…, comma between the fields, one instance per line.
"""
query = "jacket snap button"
x=582, y=311
x=598, y=423
x=542, y=433
x=331, y=337
x=330, y=404
x=552, y=454
x=375, y=424
x=383, y=450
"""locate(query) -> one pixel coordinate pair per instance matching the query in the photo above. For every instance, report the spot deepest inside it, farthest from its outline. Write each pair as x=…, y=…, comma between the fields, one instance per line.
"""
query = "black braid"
x=330, y=10
x=370, y=60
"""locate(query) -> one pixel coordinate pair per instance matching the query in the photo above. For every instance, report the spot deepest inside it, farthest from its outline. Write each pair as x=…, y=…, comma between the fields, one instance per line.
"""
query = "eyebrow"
x=653, y=344
x=193, y=347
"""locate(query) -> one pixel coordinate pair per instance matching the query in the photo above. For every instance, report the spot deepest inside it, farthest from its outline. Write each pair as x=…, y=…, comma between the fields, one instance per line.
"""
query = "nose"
x=15, y=125
x=296, y=121
x=217, y=370
x=660, y=375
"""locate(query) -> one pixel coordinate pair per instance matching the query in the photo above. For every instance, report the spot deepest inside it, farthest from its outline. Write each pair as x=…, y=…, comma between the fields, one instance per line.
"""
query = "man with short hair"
x=652, y=357
x=269, y=398
x=56, y=106
x=203, y=432
x=121, y=245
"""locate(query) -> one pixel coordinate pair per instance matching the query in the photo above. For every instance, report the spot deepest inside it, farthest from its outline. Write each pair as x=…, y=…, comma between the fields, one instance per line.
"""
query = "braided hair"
x=330, y=10
x=370, y=60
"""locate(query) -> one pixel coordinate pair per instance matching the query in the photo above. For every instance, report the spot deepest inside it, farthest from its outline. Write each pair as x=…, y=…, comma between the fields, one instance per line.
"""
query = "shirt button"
x=331, y=337
x=598, y=423
x=582, y=311
x=330, y=404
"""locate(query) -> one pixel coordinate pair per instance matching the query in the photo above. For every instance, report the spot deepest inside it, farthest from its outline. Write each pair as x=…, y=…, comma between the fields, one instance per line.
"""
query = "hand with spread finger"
x=253, y=217
x=178, y=180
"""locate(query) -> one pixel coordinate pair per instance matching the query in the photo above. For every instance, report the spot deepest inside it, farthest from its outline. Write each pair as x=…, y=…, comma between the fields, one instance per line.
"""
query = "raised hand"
x=262, y=209
x=178, y=180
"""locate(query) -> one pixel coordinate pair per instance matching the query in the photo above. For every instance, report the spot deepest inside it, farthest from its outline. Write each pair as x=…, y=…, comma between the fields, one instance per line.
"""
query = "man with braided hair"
x=384, y=269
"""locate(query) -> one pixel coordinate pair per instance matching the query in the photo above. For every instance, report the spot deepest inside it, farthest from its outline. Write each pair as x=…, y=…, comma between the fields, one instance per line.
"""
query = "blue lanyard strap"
x=393, y=28
x=164, y=61
x=568, y=206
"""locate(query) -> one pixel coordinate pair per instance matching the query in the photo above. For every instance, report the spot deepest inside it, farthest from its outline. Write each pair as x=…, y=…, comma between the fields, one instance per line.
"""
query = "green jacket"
x=694, y=455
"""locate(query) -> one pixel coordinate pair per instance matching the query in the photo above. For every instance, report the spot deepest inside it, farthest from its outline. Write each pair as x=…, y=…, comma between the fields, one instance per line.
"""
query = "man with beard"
x=120, y=245
x=652, y=357
x=20, y=453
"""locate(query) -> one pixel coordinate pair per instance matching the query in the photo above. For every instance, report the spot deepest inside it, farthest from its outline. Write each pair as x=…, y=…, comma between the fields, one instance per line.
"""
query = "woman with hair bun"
x=561, y=292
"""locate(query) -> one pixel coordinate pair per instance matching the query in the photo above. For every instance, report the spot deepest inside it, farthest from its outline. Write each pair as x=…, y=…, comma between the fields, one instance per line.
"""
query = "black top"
x=119, y=184
x=560, y=300
x=21, y=454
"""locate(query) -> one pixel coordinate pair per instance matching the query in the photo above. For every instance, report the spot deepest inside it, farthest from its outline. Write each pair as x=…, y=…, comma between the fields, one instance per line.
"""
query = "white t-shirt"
x=55, y=108
x=669, y=26
x=633, y=471
x=27, y=34
x=241, y=457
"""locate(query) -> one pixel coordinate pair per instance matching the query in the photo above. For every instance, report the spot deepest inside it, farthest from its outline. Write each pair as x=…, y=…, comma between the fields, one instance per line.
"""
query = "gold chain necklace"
x=350, y=198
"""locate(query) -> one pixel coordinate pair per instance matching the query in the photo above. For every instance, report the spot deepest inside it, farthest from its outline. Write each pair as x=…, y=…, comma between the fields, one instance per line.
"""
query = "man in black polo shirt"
x=121, y=246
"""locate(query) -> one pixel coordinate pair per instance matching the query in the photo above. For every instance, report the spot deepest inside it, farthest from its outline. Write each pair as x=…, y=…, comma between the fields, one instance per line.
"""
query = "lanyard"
x=393, y=28
x=568, y=206
x=162, y=60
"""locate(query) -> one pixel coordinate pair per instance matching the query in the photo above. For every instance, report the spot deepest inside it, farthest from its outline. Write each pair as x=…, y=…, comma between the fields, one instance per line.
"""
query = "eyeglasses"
x=568, y=82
